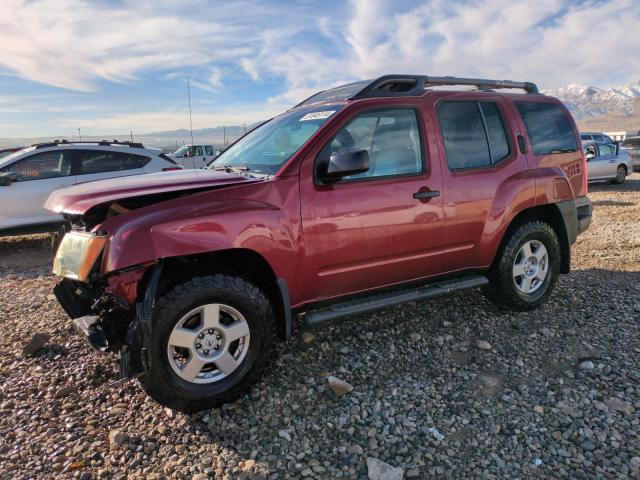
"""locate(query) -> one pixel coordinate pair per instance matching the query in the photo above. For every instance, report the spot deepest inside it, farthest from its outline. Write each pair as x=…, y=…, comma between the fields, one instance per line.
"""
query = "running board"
x=375, y=302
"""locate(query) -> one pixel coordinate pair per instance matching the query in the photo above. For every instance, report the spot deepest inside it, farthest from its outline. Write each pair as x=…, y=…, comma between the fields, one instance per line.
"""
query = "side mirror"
x=7, y=178
x=590, y=156
x=344, y=163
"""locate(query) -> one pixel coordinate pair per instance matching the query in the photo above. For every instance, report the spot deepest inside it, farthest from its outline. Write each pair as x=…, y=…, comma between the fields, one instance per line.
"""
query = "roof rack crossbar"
x=104, y=143
x=412, y=85
x=482, y=84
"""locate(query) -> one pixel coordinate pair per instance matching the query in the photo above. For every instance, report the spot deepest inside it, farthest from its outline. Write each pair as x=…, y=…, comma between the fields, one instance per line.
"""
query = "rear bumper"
x=576, y=214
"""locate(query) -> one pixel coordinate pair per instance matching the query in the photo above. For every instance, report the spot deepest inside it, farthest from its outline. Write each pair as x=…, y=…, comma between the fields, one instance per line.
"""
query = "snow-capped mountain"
x=585, y=101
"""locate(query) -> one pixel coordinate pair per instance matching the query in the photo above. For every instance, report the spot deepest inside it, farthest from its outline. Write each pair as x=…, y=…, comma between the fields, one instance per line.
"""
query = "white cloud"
x=299, y=48
x=73, y=43
x=548, y=41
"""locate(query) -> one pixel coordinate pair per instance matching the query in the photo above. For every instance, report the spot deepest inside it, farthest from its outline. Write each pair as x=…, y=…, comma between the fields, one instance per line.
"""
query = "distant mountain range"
x=594, y=108
x=613, y=108
x=168, y=140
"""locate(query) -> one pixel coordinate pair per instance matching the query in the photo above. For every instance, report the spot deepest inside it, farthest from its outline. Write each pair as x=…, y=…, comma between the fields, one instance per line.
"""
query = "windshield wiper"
x=239, y=169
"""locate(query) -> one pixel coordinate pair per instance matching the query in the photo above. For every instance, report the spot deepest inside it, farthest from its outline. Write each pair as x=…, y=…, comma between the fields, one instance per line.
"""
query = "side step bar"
x=375, y=302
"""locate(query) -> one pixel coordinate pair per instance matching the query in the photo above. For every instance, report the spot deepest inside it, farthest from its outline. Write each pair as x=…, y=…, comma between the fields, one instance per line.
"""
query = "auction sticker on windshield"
x=318, y=115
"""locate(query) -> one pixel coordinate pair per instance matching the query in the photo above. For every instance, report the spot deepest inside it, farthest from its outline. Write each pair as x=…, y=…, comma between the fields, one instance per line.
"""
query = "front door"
x=38, y=175
x=381, y=227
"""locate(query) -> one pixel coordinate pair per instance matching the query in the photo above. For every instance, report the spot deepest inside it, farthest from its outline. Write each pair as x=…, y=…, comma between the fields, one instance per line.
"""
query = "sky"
x=110, y=66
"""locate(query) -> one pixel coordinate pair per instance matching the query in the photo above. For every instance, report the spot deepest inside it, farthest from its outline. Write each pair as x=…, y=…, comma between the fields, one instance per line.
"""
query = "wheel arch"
x=244, y=262
x=551, y=214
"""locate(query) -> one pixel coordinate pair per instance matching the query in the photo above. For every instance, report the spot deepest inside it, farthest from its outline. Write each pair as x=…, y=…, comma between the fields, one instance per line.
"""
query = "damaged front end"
x=112, y=312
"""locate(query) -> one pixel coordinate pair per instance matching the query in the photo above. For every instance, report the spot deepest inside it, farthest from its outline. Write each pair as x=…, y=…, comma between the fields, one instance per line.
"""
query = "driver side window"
x=41, y=166
x=390, y=136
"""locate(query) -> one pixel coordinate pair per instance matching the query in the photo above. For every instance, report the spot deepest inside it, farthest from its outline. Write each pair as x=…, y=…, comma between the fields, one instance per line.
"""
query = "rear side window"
x=100, y=161
x=473, y=133
x=549, y=129
x=585, y=137
x=208, y=149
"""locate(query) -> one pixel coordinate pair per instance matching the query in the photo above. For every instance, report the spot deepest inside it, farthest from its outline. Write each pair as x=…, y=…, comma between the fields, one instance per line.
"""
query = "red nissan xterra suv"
x=359, y=198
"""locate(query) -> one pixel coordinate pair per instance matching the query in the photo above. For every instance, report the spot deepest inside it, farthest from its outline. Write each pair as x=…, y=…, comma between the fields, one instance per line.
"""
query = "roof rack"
x=103, y=143
x=409, y=85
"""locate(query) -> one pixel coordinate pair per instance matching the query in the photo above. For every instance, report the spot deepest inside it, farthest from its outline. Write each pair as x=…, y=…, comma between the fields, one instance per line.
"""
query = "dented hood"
x=79, y=198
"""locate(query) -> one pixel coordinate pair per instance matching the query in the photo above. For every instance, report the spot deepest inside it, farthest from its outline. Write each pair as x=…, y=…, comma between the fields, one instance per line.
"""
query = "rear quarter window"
x=548, y=127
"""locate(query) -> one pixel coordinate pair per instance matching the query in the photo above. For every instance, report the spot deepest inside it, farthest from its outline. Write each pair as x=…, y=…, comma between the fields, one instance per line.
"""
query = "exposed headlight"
x=76, y=255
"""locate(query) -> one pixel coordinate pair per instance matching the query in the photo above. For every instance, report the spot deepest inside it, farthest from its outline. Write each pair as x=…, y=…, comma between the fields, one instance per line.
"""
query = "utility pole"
x=244, y=125
x=131, y=135
x=190, y=121
x=224, y=135
x=79, y=134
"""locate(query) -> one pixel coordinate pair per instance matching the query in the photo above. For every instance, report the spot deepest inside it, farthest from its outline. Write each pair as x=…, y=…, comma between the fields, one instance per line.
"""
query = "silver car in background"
x=631, y=145
x=595, y=137
x=606, y=161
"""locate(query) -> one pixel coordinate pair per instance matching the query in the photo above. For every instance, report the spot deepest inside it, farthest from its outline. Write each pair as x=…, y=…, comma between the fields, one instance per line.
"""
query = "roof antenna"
x=189, y=97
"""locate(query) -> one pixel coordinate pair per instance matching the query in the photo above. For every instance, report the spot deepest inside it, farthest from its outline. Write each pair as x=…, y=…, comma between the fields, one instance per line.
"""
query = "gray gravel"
x=452, y=387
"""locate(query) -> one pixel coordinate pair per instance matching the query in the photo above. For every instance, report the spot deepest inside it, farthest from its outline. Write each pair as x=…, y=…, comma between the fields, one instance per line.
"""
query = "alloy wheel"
x=209, y=343
x=530, y=266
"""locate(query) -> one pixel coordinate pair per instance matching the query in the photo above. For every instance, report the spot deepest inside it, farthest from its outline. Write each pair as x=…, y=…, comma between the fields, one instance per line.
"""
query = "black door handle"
x=426, y=194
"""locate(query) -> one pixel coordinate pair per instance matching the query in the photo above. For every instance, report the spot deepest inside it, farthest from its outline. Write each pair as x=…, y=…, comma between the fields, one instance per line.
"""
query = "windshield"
x=268, y=147
x=181, y=151
x=11, y=156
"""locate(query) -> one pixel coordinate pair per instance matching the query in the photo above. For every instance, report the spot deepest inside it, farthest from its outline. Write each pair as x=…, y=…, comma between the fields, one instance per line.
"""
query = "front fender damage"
x=113, y=314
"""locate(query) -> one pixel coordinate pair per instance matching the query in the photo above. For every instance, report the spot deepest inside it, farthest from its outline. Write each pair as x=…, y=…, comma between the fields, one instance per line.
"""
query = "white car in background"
x=28, y=176
x=194, y=156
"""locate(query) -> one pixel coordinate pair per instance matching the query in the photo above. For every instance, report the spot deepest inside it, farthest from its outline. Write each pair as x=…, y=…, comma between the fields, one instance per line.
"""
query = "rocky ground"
x=452, y=387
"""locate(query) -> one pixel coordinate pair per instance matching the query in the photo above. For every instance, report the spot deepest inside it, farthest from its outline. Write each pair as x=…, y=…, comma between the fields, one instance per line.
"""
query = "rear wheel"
x=212, y=337
x=527, y=267
x=621, y=174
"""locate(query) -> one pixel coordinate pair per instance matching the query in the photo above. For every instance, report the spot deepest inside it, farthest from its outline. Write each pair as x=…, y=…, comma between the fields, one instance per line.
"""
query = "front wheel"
x=212, y=337
x=527, y=267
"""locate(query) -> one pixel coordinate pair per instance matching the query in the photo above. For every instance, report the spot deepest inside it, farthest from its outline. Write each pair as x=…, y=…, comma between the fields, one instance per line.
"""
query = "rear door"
x=21, y=202
x=607, y=159
x=381, y=227
x=480, y=154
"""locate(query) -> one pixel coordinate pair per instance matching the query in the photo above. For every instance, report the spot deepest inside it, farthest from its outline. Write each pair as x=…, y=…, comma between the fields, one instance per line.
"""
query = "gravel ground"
x=452, y=387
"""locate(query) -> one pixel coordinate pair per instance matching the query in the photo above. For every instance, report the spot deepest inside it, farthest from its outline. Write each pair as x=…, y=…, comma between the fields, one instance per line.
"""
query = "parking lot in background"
x=451, y=386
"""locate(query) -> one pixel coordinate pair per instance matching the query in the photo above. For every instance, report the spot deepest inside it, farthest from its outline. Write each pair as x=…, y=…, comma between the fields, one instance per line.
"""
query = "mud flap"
x=133, y=358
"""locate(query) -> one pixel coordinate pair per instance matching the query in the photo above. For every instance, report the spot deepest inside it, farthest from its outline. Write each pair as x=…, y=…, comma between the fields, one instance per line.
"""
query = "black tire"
x=165, y=386
x=502, y=289
x=621, y=175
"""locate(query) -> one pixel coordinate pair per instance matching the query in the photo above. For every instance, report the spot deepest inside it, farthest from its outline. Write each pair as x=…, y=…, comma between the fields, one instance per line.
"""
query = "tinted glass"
x=495, y=131
x=391, y=137
x=548, y=127
x=42, y=166
x=208, y=150
x=585, y=137
x=133, y=161
x=464, y=136
x=97, y=161
x=598, y=138
x=197, y=151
